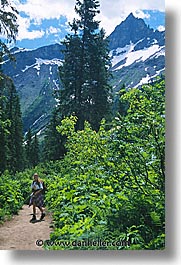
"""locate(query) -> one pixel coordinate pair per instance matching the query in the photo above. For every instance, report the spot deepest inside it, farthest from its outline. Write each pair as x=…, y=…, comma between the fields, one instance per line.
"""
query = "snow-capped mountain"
x=35, y=75
x=137, y=54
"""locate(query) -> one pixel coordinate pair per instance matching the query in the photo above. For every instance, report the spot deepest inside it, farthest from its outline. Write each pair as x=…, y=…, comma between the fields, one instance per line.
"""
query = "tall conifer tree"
x=15, y=136
x=3, y=132
x=85, y=71
x=35, y=151
x=28, y=148
x=32, y=149
x=11, y=148
x=54, y=142
x=11, y=139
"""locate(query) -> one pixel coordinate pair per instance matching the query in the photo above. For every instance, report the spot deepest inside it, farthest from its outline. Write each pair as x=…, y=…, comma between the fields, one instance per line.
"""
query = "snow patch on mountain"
x=40, y=62
x=54, y=61
x=57, y=85
x=27, y=67
x=143, y=81
x=122, y=57
x=120, y=54
x=36, y=121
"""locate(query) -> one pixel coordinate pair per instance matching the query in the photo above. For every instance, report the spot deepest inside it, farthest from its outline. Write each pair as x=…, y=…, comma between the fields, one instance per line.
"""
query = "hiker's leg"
x=34, y=208
x=33, y=219
x=41, y=209
x=42, y=213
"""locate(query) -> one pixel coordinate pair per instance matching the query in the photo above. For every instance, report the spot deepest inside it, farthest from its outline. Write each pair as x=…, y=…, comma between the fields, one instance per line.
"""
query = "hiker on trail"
x=36, y=198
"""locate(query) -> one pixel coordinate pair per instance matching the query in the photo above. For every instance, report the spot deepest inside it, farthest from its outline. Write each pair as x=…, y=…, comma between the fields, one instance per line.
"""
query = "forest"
x=103, y=165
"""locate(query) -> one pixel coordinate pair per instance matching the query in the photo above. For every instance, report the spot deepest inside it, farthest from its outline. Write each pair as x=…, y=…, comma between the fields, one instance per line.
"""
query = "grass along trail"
x=20, y=234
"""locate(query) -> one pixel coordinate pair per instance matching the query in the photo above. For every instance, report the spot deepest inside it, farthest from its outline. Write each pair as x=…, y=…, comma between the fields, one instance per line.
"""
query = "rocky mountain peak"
x=132, y=30
x=131, y=17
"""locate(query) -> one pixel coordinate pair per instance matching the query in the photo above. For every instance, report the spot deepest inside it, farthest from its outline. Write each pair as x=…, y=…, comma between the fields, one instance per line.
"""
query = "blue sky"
x=155, y=19
x=47, y=32
x=43, y=22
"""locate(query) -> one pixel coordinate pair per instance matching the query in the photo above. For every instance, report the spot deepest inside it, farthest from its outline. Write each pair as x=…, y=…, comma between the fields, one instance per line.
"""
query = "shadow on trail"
x=36, y=221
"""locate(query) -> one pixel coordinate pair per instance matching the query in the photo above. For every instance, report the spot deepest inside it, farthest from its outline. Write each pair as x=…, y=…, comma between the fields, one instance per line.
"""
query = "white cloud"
x=112, y=12
x=41, y=9
x=23, y=30
x=141, y=14
x=31, y=35
x=53, y=30
x=161, y=28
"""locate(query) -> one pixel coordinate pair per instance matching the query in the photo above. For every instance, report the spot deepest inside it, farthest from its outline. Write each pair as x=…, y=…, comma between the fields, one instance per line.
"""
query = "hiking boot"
x=33, y=219
x=42, y=216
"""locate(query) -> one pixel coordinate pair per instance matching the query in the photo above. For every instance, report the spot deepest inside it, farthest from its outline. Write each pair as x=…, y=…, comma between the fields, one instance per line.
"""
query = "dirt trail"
x=20, y=234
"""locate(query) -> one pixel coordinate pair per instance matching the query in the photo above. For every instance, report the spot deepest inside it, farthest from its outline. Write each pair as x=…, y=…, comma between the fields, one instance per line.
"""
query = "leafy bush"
x=110, y=184
x=11, y=199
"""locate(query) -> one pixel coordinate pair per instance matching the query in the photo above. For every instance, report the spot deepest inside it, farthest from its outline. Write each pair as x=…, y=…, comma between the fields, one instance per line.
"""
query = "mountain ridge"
x=136, y=52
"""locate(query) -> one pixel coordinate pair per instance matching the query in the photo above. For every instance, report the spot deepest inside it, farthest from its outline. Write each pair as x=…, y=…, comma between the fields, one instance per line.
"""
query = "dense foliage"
x=10, y=196
x=111, y=182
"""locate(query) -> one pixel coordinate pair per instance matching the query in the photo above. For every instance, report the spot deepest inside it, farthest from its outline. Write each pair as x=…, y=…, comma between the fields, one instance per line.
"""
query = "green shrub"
x=110, y=184
x=11, y=199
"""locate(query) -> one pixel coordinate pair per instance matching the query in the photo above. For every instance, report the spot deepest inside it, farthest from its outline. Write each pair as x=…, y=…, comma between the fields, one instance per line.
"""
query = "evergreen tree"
x=3, y=160
x=32, y=150
x=11, y=155
x=8, y=26
x=54, y=142
x=71, y=77
x=35, y=151
x=28, y=148
x=11, y=148
x=15, y=136
x=3, y=134
x=85, y=71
